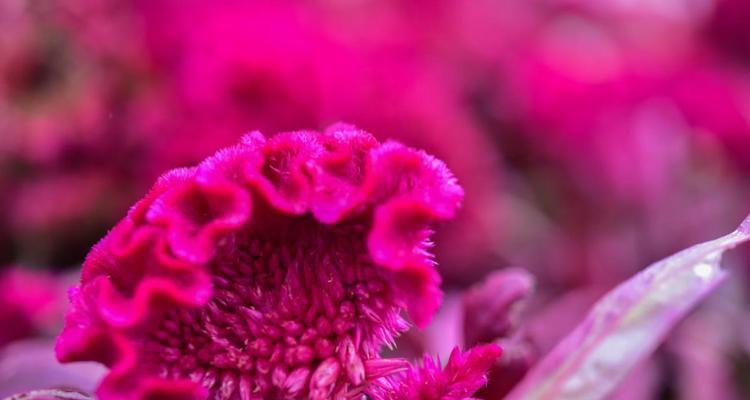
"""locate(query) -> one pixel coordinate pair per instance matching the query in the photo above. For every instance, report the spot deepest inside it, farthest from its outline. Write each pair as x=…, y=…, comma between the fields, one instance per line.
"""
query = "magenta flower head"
x=274, y=269
x=462, y=376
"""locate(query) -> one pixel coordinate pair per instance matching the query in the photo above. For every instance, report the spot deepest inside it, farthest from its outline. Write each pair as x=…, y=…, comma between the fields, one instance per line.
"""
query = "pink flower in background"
x=109, y=94
x=590, y=138
x=647, y=117
x=65, y=144
x=55, y=97
x=714, y=97
x=463, y=374
x=258, y=64
x=273, y=269
x=279, y=66
x=617, y=143
x=31, y=303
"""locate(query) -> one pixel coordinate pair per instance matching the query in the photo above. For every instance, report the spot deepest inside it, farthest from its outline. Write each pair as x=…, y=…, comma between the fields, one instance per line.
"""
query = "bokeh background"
x=592, y=138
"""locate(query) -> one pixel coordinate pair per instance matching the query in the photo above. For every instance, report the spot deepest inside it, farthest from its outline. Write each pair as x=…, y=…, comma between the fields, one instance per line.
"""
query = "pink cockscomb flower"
x=461, y=377
x=274, y=269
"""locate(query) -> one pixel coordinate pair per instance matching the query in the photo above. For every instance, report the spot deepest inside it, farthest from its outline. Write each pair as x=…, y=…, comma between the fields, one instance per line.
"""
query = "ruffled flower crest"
x=274, y=268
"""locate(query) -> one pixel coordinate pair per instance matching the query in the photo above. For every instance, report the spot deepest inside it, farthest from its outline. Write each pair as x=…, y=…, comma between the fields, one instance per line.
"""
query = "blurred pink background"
x=592, y=138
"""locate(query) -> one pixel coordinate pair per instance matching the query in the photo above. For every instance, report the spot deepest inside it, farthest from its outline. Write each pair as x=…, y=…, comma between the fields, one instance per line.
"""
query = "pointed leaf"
x=627, y=324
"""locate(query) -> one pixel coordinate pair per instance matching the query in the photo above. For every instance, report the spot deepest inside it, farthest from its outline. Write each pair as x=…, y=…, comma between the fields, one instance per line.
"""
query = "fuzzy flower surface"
x=274, y=269
x=462, y=376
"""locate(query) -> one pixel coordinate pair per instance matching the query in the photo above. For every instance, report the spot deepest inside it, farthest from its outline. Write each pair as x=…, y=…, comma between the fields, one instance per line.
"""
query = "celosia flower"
x=274, y=269
x=463, y=375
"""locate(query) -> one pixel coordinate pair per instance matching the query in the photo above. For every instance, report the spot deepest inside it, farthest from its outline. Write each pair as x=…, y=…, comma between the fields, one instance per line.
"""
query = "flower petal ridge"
x=276, y=267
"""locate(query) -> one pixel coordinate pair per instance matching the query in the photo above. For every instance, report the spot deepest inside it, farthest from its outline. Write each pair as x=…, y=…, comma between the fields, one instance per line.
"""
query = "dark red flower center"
x=297, y=314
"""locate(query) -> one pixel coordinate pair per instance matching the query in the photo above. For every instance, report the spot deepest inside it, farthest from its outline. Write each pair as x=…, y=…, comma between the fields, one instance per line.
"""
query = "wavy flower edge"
x=157, y=256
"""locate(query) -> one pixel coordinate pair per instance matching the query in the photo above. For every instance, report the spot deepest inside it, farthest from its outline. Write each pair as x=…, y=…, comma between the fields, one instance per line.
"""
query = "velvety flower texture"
x=463, y=374
x=274, y=269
